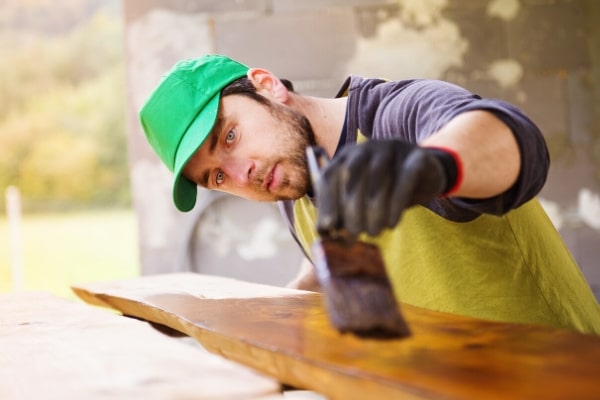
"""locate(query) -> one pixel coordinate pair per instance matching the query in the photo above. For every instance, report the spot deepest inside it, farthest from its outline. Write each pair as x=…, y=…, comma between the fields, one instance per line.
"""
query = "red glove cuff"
x=454, y=170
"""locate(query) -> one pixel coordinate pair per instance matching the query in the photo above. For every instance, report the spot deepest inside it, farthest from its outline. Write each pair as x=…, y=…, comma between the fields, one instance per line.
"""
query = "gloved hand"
x=367, y=186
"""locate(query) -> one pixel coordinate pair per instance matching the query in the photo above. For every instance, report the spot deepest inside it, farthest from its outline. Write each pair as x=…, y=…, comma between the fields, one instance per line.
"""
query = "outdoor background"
x=96, y=200
x=63, y=143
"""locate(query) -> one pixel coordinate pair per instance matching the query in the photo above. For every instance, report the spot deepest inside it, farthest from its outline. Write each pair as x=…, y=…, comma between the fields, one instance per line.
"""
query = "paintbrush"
x=359, y=297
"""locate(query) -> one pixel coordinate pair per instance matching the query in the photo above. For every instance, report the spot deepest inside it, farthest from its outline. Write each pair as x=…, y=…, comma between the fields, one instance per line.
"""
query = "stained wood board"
x=286, y=334
x=54, y=348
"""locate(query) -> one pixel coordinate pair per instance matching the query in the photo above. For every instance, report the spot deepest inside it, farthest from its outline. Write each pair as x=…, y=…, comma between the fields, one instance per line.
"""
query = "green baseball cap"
x=181, y=112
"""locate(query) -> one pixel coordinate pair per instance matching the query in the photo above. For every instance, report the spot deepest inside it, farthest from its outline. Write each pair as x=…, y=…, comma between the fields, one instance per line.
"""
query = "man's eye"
x=220, y=177
x=230, y=137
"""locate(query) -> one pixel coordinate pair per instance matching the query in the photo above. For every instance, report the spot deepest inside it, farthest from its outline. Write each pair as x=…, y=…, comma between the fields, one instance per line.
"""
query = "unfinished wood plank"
x=286, y=334
x=53, y=348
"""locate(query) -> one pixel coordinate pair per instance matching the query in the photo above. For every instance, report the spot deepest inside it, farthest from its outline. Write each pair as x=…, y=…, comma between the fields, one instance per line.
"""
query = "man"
x=441, y=179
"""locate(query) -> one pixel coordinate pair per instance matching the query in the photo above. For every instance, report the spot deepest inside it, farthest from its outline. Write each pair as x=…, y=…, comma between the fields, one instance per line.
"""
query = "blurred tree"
x=62, y=113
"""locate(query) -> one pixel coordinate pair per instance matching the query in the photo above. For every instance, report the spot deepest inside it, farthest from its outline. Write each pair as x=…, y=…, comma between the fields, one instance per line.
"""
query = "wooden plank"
x=53, y=348
x=286, y=334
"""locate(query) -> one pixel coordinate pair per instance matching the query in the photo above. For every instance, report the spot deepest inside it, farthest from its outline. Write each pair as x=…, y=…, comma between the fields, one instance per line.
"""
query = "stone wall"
x=542, y=55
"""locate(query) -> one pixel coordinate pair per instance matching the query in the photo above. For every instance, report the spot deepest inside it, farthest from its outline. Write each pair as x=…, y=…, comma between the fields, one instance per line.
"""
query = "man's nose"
x=239, y=170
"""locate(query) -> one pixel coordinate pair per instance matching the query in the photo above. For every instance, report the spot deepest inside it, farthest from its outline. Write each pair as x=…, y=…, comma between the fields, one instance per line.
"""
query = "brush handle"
x=317, y=160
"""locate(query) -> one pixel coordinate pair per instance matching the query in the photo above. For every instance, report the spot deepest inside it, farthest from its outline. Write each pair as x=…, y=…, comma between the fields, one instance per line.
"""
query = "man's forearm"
x=488, y=151
x=306, y=278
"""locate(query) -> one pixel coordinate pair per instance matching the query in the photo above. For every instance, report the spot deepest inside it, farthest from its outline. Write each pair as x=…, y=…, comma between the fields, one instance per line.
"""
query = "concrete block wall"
x=542, y=55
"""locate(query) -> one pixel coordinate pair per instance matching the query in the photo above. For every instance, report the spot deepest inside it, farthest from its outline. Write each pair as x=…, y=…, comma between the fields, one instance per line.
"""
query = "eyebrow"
x=214, y=140
x=216, y=133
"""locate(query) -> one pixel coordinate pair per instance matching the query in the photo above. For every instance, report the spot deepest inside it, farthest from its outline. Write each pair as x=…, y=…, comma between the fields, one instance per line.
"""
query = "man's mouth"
x=268, y=179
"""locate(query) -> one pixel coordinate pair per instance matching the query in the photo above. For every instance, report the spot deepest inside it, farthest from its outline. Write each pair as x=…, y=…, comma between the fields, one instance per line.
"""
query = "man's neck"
x=326, y=117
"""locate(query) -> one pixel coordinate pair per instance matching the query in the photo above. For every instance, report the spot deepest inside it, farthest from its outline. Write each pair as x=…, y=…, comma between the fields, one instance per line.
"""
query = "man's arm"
x=306, y=278
x=490, y=161
x=485, y=161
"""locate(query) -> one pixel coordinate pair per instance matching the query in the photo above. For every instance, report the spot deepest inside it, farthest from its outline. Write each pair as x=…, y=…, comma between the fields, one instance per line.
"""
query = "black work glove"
x=367, y=186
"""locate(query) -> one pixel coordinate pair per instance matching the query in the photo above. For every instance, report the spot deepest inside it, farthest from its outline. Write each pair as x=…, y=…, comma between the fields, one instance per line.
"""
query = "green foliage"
x=61, y=249
x=62, y=117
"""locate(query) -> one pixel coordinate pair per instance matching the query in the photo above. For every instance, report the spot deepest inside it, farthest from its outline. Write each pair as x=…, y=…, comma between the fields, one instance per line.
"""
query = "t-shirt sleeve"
x=425, y=106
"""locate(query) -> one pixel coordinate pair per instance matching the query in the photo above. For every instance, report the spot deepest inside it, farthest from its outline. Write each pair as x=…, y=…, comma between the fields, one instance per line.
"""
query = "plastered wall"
x=542, y=55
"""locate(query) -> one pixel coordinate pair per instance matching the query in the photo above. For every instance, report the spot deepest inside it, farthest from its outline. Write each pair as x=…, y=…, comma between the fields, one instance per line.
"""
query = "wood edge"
x=91, y=298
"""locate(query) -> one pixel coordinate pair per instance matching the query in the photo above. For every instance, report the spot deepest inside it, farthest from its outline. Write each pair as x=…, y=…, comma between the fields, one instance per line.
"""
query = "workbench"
x=56, y=348
x=259, y=337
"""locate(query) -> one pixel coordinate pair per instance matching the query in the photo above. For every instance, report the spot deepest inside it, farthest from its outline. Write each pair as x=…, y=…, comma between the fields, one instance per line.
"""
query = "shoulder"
x=375, y=98
x=358, y=86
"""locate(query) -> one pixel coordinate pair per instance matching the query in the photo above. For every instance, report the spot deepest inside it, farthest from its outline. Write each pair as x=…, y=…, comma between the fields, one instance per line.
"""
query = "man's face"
x=255, y=151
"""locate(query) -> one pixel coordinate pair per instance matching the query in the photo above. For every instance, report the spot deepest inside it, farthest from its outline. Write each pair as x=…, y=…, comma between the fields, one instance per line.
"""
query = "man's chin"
x=298, y=194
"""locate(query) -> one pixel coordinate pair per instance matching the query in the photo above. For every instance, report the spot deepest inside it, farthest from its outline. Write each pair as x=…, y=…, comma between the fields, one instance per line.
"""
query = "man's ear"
x=268, y=84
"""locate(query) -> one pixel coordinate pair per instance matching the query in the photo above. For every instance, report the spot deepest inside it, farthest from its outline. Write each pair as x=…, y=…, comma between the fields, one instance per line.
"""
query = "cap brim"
x=184, y=190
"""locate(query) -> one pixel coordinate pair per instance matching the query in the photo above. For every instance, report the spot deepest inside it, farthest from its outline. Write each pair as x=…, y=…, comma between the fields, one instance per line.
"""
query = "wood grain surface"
x=53, y=348
x=286, y=334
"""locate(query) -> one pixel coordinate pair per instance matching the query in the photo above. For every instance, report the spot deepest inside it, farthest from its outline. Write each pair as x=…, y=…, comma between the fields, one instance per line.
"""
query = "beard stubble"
x=296, y=135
